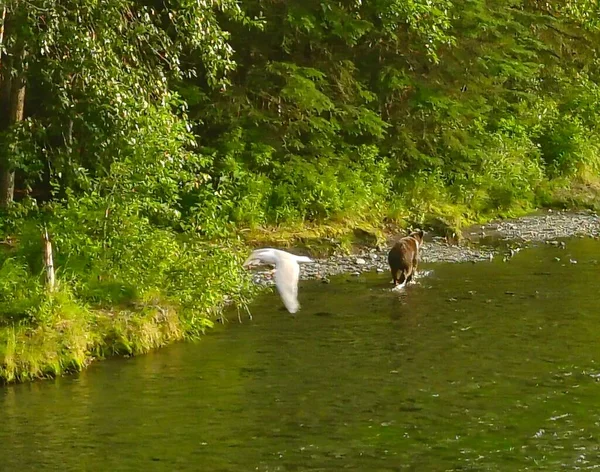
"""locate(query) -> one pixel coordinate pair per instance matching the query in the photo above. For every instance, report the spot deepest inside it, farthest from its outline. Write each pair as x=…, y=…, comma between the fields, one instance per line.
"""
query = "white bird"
x=287, y=272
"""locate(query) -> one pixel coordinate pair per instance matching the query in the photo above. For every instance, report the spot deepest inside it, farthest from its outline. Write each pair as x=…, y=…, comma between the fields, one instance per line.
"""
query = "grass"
x=582, y=192
x=76, y=335
x=319, y=239
x=343, y=235
x=45, y=335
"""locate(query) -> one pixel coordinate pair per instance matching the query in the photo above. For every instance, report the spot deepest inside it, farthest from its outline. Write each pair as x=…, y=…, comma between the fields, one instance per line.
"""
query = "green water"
x=479, y=367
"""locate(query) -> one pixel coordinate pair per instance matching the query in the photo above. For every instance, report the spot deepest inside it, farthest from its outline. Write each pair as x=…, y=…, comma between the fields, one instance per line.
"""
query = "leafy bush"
x=567, y=149
x=20, y=292
x=154, y=134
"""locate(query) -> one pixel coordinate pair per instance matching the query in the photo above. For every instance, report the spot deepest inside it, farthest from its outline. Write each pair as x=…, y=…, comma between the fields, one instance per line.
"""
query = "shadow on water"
x=492, y=366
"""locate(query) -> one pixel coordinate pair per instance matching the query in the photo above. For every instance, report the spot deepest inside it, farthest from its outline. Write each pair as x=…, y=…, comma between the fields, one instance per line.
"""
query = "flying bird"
x=287, y=272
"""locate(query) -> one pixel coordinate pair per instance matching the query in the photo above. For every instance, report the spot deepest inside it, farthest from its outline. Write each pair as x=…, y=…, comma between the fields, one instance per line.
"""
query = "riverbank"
x=154, y=290
x=480, y=243
x=72, y=336
x=80, y=336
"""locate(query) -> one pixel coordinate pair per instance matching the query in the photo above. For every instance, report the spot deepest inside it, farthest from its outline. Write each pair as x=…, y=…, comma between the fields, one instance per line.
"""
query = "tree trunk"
x=5, y=73
x=5, y=176
x=7, y=186
x=2, y=22
x=5, y=66
x=12, y=97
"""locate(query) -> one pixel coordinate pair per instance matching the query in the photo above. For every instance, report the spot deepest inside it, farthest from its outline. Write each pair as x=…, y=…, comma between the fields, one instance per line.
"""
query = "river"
x=493, y=366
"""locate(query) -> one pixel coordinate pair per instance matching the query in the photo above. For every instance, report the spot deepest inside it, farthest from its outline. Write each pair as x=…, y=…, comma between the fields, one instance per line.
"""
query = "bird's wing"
x=286, y=280
x=261, y=256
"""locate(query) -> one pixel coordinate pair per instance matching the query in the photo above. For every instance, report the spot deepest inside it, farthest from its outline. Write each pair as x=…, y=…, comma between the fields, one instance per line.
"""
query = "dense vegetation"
x=144, y=136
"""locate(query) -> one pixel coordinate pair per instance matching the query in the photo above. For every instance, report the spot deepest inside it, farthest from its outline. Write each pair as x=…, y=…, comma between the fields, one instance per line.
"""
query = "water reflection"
x=479, y=367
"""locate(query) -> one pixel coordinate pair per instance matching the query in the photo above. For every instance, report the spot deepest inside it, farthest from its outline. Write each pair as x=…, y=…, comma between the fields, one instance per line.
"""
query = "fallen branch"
x=48, y=262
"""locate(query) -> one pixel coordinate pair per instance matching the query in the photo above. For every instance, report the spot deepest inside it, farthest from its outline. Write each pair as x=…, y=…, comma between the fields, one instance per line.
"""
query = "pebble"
x=546, y=228
x=550, y=226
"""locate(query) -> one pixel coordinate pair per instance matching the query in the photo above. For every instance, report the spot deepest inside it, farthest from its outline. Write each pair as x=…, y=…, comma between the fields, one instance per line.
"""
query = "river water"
x=480, y=367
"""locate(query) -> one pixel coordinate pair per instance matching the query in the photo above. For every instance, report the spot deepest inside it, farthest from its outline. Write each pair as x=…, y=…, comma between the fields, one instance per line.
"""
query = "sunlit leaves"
x=429, y=83
x=430, y=20
x=97, y=69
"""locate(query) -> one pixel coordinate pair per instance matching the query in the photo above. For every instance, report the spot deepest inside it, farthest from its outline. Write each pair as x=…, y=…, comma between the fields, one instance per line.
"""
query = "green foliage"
x=20, y=293
x=154, y=133
x=567, y=149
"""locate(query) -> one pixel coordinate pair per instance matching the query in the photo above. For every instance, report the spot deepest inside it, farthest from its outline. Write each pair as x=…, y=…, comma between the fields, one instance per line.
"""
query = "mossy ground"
x=74, y=335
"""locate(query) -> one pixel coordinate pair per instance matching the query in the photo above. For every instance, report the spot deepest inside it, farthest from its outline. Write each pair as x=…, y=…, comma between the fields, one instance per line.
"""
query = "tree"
x=92, y=69
x=12, y=92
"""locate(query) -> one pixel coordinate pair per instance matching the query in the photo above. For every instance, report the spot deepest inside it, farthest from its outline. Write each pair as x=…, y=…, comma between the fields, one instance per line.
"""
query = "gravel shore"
x=483, y=243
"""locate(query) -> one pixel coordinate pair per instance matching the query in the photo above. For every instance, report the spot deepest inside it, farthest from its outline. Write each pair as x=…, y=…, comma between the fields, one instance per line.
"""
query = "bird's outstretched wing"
x=286, y=280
